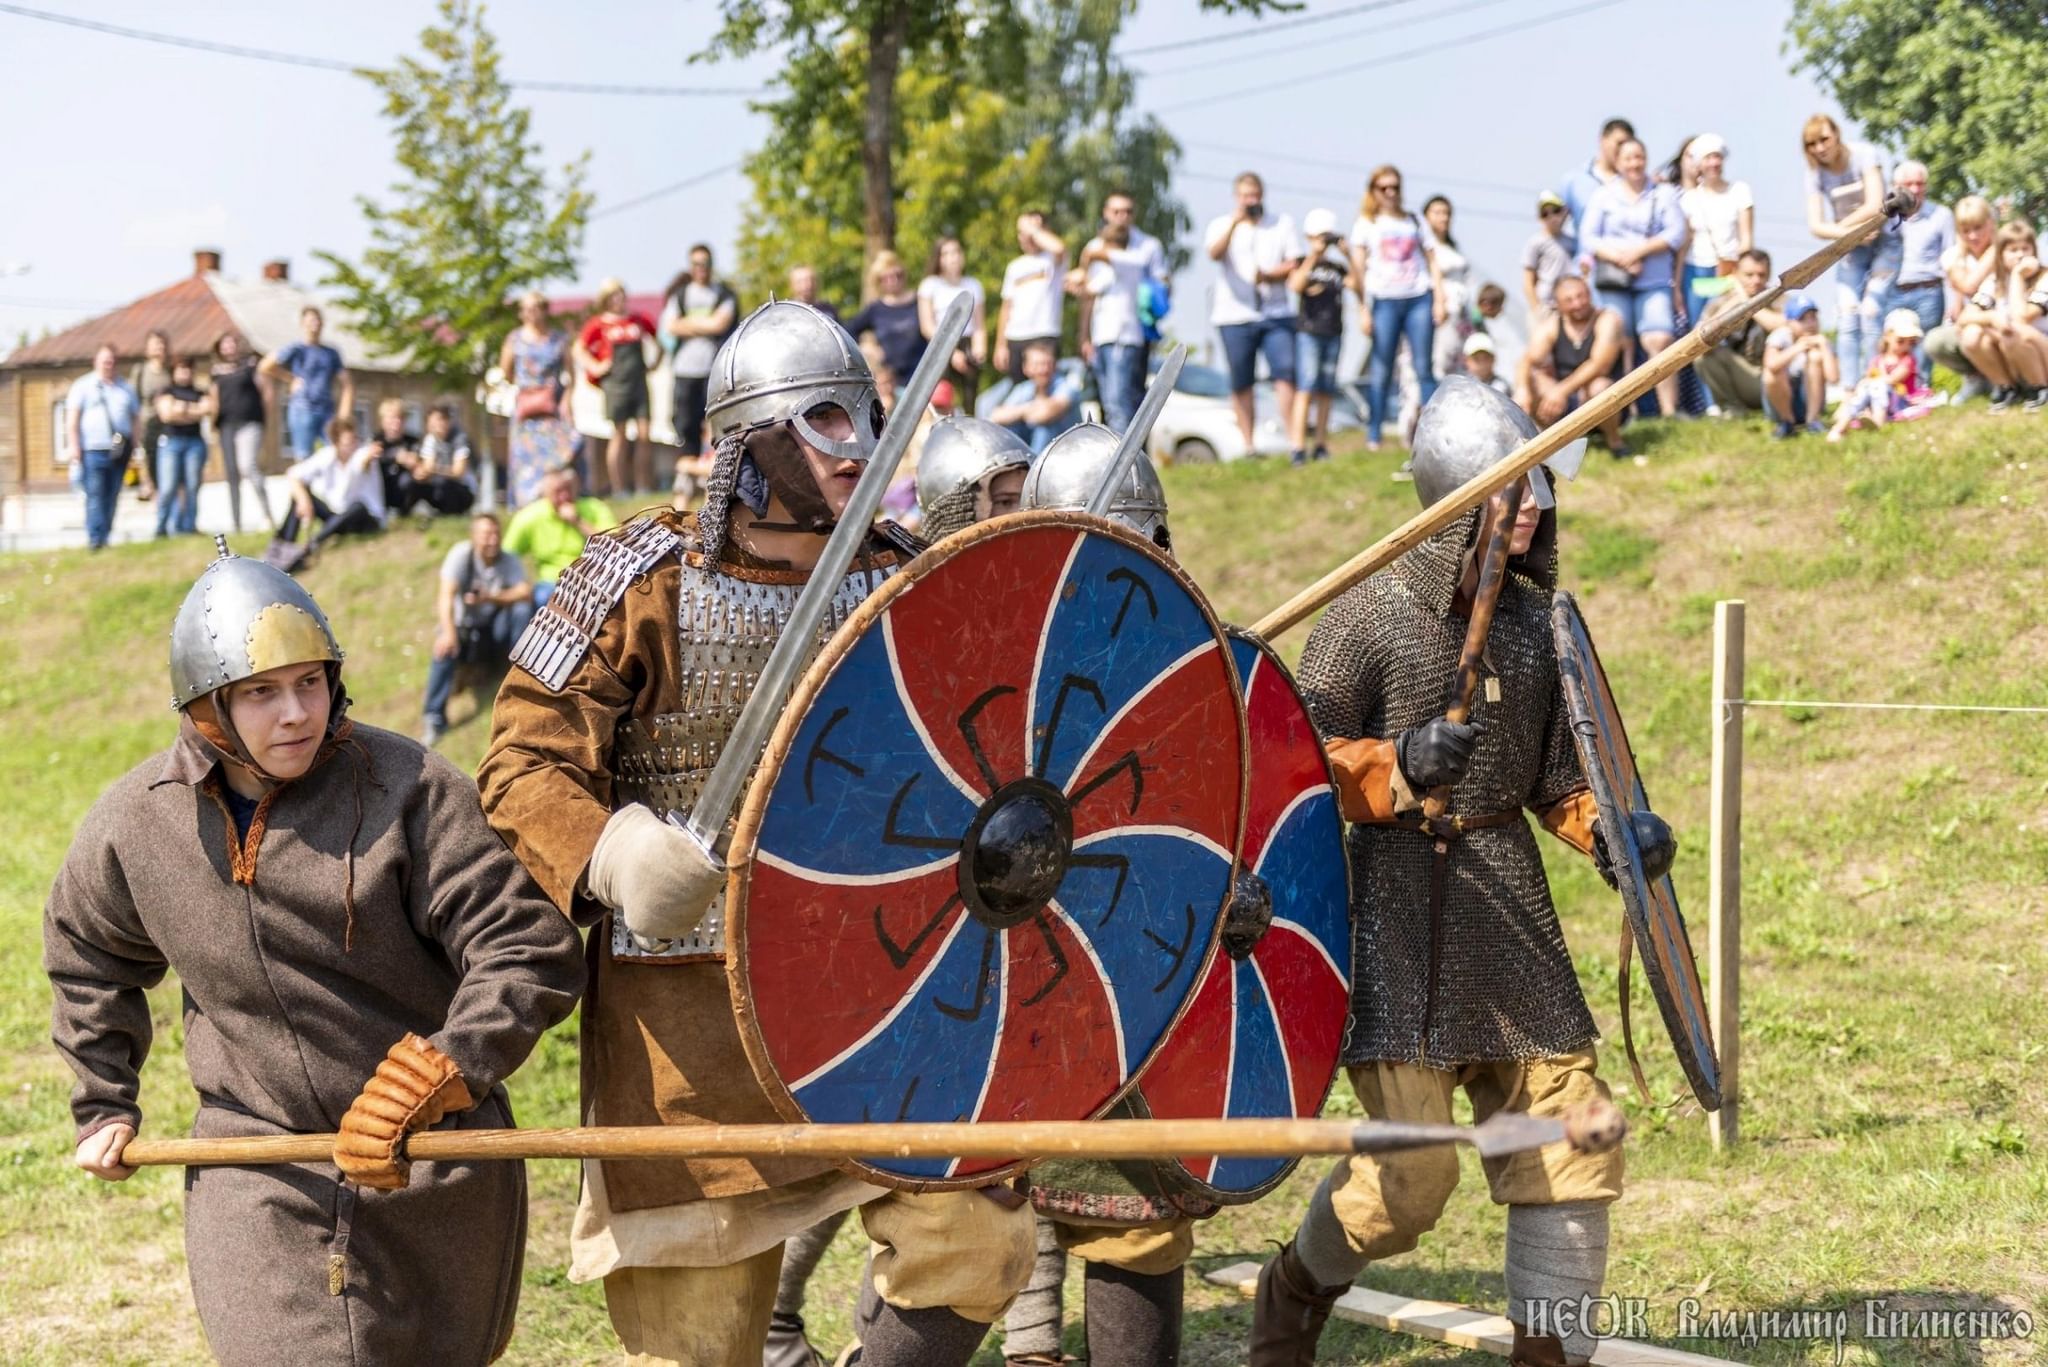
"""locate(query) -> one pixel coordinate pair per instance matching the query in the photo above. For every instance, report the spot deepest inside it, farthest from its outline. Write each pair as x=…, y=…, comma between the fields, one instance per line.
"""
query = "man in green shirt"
x=550, y=531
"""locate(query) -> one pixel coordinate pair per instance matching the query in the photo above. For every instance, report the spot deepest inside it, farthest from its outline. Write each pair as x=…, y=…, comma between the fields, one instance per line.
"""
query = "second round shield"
x=981, y=867
x=1262, y=1036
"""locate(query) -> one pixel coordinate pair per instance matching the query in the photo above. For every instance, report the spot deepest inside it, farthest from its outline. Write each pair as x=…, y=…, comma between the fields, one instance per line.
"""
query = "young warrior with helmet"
x=969, y=472
x=1461, y=977
x=358, y=951
x=627, y=684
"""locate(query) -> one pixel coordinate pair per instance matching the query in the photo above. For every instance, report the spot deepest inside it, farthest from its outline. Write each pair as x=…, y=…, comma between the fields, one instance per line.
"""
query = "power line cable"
x=698, y=179
x=301, y=59
x=1462, y=40
x=1238, y=58
x=1254, y=30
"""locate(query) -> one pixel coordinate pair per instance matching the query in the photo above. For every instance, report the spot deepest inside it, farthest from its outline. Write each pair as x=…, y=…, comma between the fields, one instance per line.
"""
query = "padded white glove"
x=653, y=874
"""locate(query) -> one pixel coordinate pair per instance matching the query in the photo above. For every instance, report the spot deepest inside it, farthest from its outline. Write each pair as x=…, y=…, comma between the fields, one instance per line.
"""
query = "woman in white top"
x=1722, y=216
x=1448, y=353
x=935, y=293
x=1393, y=253
x=1841, y=178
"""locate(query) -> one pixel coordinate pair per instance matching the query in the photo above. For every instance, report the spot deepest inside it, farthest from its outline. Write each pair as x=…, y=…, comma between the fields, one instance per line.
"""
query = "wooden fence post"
x=1724, y=869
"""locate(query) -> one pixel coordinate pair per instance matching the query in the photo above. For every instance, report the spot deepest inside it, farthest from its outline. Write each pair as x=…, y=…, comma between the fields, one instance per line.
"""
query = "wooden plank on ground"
x=1461, y=1326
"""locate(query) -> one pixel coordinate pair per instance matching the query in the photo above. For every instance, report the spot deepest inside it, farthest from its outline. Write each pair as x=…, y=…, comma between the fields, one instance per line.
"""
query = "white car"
x=1199, y=427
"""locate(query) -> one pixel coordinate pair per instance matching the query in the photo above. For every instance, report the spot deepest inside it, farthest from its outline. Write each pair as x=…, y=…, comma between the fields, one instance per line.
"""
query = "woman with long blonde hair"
x=891, y=315
x=1394, y=255
x=1842, y=177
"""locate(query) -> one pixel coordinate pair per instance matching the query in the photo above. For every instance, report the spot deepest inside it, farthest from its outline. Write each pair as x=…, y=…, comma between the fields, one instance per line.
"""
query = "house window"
x=60, y=454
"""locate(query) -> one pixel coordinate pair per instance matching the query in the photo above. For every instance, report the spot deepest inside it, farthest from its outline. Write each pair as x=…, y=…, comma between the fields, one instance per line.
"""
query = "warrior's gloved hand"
x=653, y=874
x=413, y=1088
x=1436, y=754
x=1654, y=839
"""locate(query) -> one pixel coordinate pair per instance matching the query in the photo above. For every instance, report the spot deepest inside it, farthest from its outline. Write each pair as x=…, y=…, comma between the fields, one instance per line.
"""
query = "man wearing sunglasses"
x=1549, y=255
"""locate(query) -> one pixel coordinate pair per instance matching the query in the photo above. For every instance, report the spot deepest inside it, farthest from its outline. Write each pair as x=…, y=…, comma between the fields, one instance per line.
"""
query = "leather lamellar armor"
x=1492, y=978
x=728, y=620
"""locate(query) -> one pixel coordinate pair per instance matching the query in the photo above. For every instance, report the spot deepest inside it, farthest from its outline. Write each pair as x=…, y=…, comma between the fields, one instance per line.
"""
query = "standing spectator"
x=1798, y=368
x=1968, y=264
x=1721, y=216
x=891, y=314
x=1549, y=256
x=1403, y=296
x=1634, y=229
x=1116, y=268
x=612, y=351
x=180, y=450
x=320, y=385
x=99, y=439
x=947, y=281
x=1255, y=253
x=1489, y=316
x=1041, y=405
x=698, y=315
x=1447, y=356
x=551, y=530
x=1841, y=178
x=534, y=360
x=151, y=377
x=1320, y=280
x=1925, y=237
x=337, y=490
x=1479, y=364
x=1581, y=185
x=1733, y=369
x=1031, y=294
x=238, y=423
x=482, y=603
x=803, y=287
x=444, y=474
x=1998, y=335
x=1575, y=353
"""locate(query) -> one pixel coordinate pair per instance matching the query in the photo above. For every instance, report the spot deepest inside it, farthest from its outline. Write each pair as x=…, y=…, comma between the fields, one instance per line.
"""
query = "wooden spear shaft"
x=1532, y=453
x=1595, y=1126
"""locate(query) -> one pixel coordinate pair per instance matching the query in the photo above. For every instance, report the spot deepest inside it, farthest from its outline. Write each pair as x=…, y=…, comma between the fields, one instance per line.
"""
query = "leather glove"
x=1654, y=839
x=1436, y=754
x=653, y=874
x=413, y=1088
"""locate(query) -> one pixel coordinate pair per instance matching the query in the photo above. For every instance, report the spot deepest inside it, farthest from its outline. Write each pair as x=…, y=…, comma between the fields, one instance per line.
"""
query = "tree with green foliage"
x=472, y=220
x=958, y=116
x=1957, y=84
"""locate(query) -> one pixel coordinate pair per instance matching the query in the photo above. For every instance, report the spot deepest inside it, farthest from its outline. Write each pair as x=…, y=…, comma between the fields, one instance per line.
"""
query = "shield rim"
x=753, y=810
x=1704, y=1076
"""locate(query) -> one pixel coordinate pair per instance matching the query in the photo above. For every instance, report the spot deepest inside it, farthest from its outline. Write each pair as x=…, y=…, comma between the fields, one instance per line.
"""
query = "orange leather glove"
x=413, y=1088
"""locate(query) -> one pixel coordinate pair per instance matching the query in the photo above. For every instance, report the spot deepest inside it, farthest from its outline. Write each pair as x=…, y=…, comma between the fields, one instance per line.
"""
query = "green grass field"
x=1895, y=1039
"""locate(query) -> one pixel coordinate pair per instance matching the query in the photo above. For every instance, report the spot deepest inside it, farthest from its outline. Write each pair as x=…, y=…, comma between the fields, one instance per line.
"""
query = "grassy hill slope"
x=1896, y=970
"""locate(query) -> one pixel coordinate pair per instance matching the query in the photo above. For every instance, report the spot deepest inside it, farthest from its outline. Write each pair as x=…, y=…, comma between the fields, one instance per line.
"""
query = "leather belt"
x=1919, y=285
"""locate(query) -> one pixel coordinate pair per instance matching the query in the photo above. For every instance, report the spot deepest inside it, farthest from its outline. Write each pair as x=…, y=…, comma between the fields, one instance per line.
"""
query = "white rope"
x=1880, y=706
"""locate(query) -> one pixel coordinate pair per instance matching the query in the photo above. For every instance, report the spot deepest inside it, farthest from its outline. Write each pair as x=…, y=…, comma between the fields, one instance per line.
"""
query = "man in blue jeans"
x=482, y=605
x=320, y=384
x=1115, y=266
x=1924, y=235
x=99, y=414
x=1255, y=252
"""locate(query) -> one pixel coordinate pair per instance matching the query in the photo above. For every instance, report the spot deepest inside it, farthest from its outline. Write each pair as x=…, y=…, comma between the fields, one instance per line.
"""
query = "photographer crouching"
x=482, y=605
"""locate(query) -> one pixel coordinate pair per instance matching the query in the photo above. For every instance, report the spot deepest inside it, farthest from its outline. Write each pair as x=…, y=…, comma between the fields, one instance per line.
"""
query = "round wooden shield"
x=1653, y=915
x=983, y=861
x=1262, y=1035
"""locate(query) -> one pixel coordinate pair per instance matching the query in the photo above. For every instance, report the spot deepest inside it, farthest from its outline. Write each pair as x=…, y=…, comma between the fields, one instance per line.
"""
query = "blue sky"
x=128, y=155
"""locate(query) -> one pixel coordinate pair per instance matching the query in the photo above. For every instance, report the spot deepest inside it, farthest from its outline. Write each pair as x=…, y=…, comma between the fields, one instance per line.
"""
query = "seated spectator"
x=2006, y=348
x=1041, y=405
x=1799, y=365
x=395, y=448
x=550, y=531
x=1574, y=354
x=1634, y=230
x=1967, y=264
x=482, y=604
x=1893, y=383
x=1479, y=363
x=1733, y=370
x=1320, y=280
x=443, y=478
x=337, y=490
x=1548, y=256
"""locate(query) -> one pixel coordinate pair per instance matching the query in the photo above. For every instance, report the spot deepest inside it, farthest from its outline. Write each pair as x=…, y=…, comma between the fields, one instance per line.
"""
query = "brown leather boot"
x=1288, y=1313
x=1536, y=1350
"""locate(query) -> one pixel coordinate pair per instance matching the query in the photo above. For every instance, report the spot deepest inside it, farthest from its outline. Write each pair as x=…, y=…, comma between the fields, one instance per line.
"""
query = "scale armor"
x=1381, y=661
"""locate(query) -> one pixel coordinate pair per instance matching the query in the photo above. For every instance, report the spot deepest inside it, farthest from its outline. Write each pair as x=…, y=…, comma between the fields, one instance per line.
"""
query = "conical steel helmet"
x=961, y=454
x=1066, y=474
x=1468, y=428
x=784, y=360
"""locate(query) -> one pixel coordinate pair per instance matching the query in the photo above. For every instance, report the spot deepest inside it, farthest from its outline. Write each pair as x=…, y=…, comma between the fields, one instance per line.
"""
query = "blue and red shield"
x=981, y=867
x=1262, y=1035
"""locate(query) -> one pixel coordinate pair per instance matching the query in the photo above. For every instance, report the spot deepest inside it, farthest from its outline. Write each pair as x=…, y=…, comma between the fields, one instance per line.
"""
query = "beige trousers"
x=1146, y=1250
x=1387, y=1202
x=955, y=1249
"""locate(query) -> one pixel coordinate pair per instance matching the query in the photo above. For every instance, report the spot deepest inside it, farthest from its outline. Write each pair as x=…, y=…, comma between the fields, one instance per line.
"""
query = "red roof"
x=188, y=311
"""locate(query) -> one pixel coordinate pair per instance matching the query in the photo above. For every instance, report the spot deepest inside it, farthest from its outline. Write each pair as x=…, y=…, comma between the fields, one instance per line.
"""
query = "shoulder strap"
x=559, y=635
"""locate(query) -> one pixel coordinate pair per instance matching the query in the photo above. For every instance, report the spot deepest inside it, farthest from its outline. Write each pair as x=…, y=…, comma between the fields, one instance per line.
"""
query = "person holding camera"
x=482, y=606
x=99, y=438
x=1255, y=252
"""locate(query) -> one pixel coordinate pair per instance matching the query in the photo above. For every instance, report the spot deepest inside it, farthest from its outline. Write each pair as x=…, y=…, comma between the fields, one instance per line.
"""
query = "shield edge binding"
x=754, y=808
x=1575, y=676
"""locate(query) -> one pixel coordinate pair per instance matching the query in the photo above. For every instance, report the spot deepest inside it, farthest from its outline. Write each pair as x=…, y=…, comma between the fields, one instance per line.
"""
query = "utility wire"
x=702, y=176
x=1254, y=30
x=301, y=59
x=1238, y=58
x=1302, y=78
